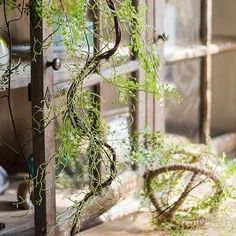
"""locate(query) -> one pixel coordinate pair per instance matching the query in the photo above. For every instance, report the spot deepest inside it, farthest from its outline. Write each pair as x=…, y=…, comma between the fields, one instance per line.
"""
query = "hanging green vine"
x=82, y=130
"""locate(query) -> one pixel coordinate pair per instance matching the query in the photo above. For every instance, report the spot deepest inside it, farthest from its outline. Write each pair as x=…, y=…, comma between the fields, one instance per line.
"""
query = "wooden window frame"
x=147, y=110
x=206, y=50
x=42, y=82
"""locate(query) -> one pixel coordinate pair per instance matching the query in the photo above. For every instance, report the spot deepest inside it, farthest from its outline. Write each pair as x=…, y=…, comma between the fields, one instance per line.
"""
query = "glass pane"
x=20, y=31
x=112, y=100
x=223, y=93
x=182, y=22
x=224, y=17
x=183, y=118
x=115, y=109
x=118, y=138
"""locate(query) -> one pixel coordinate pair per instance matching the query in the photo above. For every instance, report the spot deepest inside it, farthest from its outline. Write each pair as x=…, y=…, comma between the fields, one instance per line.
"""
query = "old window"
x=200, y=33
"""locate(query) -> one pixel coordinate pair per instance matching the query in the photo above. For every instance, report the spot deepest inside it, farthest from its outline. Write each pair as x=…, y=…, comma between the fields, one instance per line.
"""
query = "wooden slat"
x=175, y=54
x=43, y=137
x=138, y=112
x=219, y=45
x=17, y=223
x=172, y=55
x=206, y=73
x=206, y=22
x=96, y=78
x=118, y=200
x=205, y=99
x=61, y=77
x=222, y=44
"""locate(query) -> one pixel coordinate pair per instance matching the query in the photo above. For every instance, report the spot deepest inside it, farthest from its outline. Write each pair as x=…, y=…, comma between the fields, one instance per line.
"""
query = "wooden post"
x=43, y=134
x=206, y=73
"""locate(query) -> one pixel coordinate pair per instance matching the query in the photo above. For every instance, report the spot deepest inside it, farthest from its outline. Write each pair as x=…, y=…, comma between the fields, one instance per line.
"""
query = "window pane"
x=223, y=93
x=224, y=18
x=183, y=118
x=113, y=102
x=182, y=22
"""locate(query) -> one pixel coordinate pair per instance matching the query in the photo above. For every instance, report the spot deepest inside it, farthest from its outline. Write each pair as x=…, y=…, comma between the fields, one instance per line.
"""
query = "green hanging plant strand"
x=77, y=123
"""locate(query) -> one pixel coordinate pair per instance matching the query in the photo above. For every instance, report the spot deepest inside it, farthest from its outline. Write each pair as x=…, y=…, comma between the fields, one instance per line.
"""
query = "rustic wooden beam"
x=43, y=134
x=206, y=72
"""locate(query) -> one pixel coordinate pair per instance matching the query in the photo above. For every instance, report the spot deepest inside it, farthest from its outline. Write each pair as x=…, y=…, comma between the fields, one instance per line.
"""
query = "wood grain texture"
x=43, y=134
x=206, y=72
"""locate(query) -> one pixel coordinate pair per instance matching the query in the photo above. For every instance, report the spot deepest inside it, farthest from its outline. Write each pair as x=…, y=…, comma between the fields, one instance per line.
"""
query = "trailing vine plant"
x=81, y=118
x=83, y=129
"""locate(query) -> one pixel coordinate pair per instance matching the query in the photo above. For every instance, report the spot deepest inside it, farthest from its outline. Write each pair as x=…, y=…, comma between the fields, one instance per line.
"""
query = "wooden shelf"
x=218, y=45
x=61, y=77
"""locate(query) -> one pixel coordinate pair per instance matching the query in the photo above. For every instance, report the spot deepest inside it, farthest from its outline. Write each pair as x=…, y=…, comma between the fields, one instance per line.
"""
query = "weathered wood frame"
x=147, y=110
x=42, y=89
x=205, y=51
x=206, y=72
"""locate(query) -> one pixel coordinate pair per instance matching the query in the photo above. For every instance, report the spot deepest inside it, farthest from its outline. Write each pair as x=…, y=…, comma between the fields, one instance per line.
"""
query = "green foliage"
x=126, y=87
x=68, y=19
x=75, y=148
x=160, y=151
x=146, y=51
x=70, y=140
x=82, y=136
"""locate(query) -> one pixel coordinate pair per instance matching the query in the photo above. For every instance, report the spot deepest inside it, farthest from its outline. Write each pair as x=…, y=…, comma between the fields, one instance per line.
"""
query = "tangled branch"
x=76, y=121
x=167, y=214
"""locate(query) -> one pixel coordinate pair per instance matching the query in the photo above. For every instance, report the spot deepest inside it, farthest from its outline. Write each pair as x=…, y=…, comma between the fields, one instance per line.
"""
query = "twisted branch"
x=168, y=213
x=77, y=122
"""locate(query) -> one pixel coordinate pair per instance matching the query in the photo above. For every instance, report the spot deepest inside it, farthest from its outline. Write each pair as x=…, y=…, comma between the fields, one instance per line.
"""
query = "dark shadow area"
x=8, y=206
